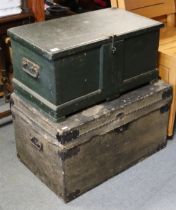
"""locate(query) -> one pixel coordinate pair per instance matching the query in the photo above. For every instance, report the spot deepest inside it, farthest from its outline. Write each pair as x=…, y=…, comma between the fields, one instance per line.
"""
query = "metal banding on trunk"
x=107, y=116
x=107, y=138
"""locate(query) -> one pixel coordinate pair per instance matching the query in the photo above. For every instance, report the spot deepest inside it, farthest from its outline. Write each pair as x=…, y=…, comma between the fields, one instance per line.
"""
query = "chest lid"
x=100, y=119
x=66, y=35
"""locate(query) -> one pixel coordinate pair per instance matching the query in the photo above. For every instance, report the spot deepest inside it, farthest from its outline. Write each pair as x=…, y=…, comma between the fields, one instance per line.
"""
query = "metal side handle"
x=38, y=145
x=30, y=68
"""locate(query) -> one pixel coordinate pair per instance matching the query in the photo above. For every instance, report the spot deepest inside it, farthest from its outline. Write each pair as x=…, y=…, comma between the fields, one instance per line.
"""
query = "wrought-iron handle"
x=38, y=145
x=30, y=68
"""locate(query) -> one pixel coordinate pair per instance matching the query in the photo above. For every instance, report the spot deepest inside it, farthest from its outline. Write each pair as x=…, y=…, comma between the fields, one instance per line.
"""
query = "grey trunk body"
x=91, y=146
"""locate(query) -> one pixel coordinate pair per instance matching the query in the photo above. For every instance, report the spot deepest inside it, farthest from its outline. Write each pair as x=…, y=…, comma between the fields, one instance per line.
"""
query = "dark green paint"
x=94, y=65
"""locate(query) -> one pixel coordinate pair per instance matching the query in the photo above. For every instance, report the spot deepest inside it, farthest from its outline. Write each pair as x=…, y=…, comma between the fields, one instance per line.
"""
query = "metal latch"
x=114, y=49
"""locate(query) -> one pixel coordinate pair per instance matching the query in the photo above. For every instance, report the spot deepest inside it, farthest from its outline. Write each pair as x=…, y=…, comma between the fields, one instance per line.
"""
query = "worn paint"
x=106, y=150
x=82, y=67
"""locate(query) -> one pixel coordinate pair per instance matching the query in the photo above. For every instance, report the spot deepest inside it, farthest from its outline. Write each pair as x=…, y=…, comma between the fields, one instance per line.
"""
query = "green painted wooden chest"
x=64, y=65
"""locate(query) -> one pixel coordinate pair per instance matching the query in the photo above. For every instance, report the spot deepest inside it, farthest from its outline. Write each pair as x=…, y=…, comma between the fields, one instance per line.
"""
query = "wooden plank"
x=156, y=10
x=169, y=76
x=171, y=52
x=114, y=3
x=167, y=40
x=13, y=18
x=164, y=73
x=165, y=7
x=136, y=4
x=172, y=81
x=167, y=60
x=170, y=20
x=170, y=49
x=5, y=114
x=167, y=33
x=37, y=7
x=167, y=46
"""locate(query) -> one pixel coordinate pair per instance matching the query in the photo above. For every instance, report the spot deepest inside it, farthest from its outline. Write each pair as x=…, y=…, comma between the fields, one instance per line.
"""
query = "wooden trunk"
x=52, y=57
x=89, y=147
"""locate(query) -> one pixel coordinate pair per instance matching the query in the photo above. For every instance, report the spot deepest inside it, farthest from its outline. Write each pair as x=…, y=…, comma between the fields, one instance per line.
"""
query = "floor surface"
x=149, y=185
